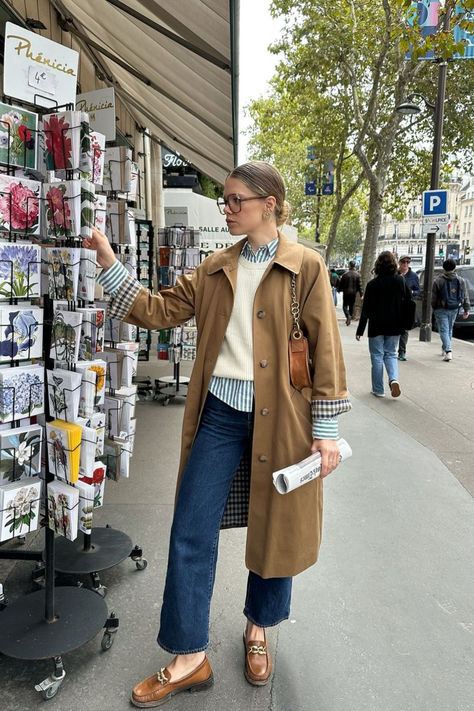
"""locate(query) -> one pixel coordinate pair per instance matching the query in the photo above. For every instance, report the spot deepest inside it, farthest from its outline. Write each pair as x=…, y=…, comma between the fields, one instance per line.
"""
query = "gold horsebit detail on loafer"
x=257, y=649
x=161, y=676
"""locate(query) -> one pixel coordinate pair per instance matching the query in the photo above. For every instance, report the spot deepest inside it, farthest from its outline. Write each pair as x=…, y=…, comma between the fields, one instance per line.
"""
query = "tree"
x=352, y=55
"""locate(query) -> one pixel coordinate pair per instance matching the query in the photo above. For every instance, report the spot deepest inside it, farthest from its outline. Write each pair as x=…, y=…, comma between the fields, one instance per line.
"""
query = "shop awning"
x=173, y=63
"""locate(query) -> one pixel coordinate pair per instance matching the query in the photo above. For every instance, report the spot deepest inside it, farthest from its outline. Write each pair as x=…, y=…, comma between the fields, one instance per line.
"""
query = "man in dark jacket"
x=349, y=284
x=448, y=294
x=413, y=283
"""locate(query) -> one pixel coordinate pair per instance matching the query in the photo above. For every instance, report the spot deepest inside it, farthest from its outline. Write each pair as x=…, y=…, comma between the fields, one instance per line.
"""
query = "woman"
x=383, y=306
x=241, y=410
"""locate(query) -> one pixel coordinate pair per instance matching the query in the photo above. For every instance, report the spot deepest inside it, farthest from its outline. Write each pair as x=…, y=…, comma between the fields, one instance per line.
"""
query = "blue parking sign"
x=435, y=202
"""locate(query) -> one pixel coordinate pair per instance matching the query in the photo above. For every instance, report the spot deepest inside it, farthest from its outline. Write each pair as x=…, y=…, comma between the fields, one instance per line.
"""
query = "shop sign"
x=38, y=70
x=100, y=105
x=170, y=160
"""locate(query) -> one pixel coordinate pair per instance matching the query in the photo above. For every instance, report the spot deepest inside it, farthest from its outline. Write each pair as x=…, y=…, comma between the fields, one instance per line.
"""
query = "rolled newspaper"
x=295, y=475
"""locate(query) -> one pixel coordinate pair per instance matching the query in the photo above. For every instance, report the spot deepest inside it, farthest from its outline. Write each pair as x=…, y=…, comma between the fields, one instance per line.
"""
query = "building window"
x=410, y=249
x=419, y=249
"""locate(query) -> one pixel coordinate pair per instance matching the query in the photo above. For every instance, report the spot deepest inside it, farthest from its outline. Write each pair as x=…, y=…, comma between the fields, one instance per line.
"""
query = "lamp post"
x=409, y=108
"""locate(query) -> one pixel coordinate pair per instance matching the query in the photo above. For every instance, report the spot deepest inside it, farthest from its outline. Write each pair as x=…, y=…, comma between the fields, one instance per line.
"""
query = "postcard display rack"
x=66, y=395
x=178, y=253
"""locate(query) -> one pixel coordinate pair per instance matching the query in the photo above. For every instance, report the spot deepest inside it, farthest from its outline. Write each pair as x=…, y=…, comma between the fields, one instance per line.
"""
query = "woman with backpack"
x=448, y=294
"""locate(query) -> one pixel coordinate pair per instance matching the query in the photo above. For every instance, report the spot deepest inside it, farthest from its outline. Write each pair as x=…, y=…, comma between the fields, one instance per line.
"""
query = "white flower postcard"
x=19, y=508
x=20, y=453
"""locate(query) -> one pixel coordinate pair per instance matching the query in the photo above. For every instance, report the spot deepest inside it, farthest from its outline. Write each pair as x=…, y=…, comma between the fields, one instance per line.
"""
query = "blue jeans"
x=383, y=351
x=223, y=436
x=445, y=319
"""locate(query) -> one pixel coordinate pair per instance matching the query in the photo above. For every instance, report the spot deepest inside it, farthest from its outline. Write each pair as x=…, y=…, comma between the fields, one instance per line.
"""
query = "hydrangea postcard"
x=21, y=392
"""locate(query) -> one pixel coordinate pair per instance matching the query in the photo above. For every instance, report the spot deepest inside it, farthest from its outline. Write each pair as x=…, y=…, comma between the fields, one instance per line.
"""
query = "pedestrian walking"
x=350, y=285
x=414, y=284
x=334, y=280
x=449, y=293
x=242, y=415
x=385, y=307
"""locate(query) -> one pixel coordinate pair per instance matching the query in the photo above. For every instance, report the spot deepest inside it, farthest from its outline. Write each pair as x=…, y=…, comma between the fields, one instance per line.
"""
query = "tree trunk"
x=373, y=228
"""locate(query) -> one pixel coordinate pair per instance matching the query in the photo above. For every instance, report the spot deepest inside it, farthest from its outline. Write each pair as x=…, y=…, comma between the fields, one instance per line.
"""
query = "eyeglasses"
x=234, y=202
x=405, y=261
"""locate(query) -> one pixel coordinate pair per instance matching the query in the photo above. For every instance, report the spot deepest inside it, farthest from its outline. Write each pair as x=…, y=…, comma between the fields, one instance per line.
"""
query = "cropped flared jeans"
x=223, y=436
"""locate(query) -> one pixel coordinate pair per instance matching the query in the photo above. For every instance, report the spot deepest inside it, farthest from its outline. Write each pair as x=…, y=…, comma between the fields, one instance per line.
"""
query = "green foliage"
x=209, y=187
x=348, y=237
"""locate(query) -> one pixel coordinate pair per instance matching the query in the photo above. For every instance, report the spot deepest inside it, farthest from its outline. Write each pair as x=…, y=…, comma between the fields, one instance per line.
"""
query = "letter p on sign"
x=435, y=202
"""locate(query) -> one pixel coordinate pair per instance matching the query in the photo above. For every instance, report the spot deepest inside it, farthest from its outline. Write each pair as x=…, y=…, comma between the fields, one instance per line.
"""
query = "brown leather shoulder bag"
x=298, y=348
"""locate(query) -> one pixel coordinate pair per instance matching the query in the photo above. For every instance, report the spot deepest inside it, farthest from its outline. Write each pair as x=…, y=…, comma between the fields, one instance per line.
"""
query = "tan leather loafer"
x=258, y=663
x=157, y=689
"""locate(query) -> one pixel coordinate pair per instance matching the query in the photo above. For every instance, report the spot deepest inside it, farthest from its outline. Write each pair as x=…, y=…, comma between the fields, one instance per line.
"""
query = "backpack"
x=451, y=295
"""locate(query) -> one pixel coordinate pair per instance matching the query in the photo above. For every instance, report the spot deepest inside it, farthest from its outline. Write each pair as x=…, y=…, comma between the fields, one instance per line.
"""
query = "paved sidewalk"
x=384, y=621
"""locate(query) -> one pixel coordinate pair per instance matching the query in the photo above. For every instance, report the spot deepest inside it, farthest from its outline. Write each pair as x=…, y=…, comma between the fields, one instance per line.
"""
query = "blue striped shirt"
x=238, y=394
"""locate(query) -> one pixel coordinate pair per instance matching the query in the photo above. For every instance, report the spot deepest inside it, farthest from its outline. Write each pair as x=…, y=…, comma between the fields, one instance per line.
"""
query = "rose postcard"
x=63, y=509
x=18, y=136
x=19, y=205
x=20, y=453
x=63, y=208
x=19, y=508
x=20, y=270
x=21, y=332
x=21, y=392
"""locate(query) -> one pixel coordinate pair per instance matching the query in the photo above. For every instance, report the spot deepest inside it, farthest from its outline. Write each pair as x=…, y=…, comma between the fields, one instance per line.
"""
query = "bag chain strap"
x=295, y=309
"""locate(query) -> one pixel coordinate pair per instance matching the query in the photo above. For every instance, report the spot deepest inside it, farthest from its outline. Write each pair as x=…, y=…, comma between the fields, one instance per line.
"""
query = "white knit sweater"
x=235, y=358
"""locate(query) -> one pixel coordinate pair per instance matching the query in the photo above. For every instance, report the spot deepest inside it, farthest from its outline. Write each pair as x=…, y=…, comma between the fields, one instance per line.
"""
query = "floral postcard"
x=62, y=132
x=20, y=453
x=95, y=172
x=86, y=505
x=64, y=393
x=88, y=446
x=19, y=508
x=63, y=272
x=92, y=333
x=18, y=136
x=63, y=441
x=87, y=271
x=62, y=203
x=19, y=205
x=21, y=392
x=87, y=207
x=100, y=212
x=97, y=480
x=128, y=397
x=20, y=270
x=99, y=367
x=21, y=332
x=63, y=509
x=117, y=169
x=66, y=336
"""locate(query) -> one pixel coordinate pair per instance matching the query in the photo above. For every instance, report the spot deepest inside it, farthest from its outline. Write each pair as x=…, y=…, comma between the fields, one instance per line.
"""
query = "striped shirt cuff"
x=326, y=429
x=123, y=300
x=111, y=279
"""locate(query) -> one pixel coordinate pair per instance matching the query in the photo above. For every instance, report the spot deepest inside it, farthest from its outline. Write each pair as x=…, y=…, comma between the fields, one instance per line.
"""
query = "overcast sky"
x=257, y=30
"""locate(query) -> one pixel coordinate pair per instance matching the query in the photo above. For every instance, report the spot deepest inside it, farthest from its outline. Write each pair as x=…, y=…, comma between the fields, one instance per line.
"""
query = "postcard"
x=86, y=505
x=63, y=272
x=64, y=393
x=63, y=441
x=87, y=271
x=21, y=332
x=20, y=453
x=66, y=335
x=20, y=270
x=97, y=480
x=19, y=205
x=18, y=136
x=63, y=208
x=19, y=508
x=21, y=392
x=62, y=140
x=63, y=509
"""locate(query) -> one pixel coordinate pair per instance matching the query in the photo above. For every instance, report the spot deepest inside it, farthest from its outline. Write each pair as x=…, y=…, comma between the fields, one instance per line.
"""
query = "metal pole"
x=425, y=328
x=318, y=210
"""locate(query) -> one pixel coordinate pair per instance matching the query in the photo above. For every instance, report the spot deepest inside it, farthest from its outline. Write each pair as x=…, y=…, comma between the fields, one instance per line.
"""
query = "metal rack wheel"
x=107, y=641
x=141, y=564
x=101, y=590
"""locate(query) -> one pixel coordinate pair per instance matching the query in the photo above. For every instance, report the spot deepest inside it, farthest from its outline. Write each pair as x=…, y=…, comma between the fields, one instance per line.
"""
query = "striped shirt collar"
x=263, y=253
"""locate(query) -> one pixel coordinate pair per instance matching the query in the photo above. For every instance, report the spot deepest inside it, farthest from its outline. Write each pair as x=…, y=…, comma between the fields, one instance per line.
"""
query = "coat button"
x=263, y=363
x=265, y=411
x=261, y=314
x=262, y=458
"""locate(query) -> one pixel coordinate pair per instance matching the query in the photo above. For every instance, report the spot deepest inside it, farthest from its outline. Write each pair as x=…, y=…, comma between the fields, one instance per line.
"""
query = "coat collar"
x=288, y=255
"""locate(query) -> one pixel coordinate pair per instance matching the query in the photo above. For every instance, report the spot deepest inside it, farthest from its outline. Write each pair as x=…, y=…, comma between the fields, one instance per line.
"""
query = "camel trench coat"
x=284, y=531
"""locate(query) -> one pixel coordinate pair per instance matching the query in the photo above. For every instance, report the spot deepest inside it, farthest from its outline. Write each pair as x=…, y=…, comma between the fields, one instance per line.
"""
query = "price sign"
x=42, y=80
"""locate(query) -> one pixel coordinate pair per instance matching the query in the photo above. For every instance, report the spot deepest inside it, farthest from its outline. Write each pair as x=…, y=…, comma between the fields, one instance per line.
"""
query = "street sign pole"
x=426, y=312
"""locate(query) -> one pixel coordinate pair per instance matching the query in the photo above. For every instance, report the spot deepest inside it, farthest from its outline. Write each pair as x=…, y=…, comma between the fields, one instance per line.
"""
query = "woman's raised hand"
x=99, y=242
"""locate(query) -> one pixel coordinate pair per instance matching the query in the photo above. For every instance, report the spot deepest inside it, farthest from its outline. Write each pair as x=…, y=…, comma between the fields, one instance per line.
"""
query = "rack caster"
x=97, y=585
x=137, y=556
x=49, y=687
x=111, y=627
